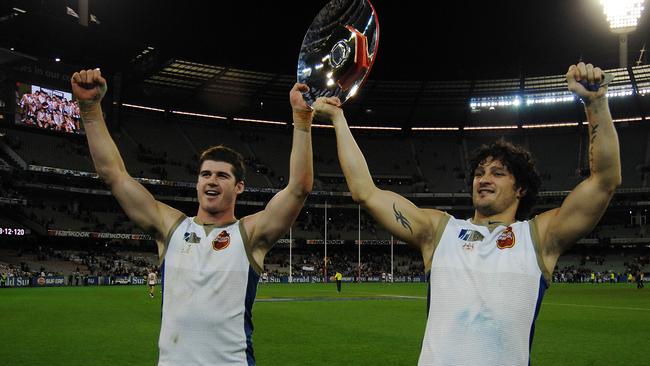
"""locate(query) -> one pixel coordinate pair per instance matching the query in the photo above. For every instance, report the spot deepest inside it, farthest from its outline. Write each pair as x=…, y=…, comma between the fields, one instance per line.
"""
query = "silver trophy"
x=339, y=50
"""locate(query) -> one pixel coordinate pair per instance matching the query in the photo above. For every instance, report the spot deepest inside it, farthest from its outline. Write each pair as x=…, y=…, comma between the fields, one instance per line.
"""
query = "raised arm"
x=269, y=225
x=89, y=87
x=584, y=206
x=395, y=213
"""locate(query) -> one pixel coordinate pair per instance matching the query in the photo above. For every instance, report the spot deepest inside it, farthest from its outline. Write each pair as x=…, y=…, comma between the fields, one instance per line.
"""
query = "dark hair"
x=519, y=162
x=227, y=155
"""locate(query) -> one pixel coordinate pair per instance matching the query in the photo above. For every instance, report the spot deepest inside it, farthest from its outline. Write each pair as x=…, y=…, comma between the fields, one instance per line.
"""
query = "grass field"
x=299, y=324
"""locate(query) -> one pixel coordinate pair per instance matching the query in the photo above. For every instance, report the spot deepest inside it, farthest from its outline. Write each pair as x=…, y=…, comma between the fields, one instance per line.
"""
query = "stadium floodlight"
x=505, y=101
x=497, y=101
x=622, y=16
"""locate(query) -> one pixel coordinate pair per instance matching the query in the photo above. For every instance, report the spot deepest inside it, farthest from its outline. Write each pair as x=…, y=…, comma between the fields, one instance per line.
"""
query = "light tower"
x=622, y=16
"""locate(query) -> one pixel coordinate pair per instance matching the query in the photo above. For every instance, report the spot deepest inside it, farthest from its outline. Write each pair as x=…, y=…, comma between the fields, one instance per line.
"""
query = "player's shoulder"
x=170, y=218
x=436, y=217
x=247, y=224
x=433, y=213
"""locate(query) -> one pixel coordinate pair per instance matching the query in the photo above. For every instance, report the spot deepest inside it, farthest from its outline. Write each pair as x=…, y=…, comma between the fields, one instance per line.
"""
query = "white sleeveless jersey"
x=151, y=278
x=209, y=287
x=485, y=291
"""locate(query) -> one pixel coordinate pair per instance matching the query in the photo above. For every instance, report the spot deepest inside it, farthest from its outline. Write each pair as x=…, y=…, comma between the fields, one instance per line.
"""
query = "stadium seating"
x=166, y=145
x=52, y=150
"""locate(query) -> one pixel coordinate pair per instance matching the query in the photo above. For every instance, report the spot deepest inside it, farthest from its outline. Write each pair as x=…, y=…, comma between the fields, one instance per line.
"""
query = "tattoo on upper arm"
x=594, y=131
x=401, y=219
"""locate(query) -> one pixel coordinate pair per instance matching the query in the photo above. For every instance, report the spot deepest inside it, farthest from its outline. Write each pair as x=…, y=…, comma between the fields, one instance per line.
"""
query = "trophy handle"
x=607, y=78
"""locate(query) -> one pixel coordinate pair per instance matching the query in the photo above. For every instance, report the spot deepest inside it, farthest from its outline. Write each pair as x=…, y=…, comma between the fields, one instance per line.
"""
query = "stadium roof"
x=238, y=59
x=434, y=40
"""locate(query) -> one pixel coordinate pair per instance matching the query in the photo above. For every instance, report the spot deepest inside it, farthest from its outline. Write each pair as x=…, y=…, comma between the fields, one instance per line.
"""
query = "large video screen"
x=46, y=108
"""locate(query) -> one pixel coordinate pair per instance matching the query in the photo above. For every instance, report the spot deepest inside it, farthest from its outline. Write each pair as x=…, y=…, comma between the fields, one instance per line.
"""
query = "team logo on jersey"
x=470, y=235
x=222, y=241
x=191, y=238
x=506, y=239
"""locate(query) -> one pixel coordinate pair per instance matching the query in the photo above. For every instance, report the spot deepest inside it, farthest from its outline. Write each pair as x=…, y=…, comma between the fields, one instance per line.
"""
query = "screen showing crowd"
x=48, y=109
